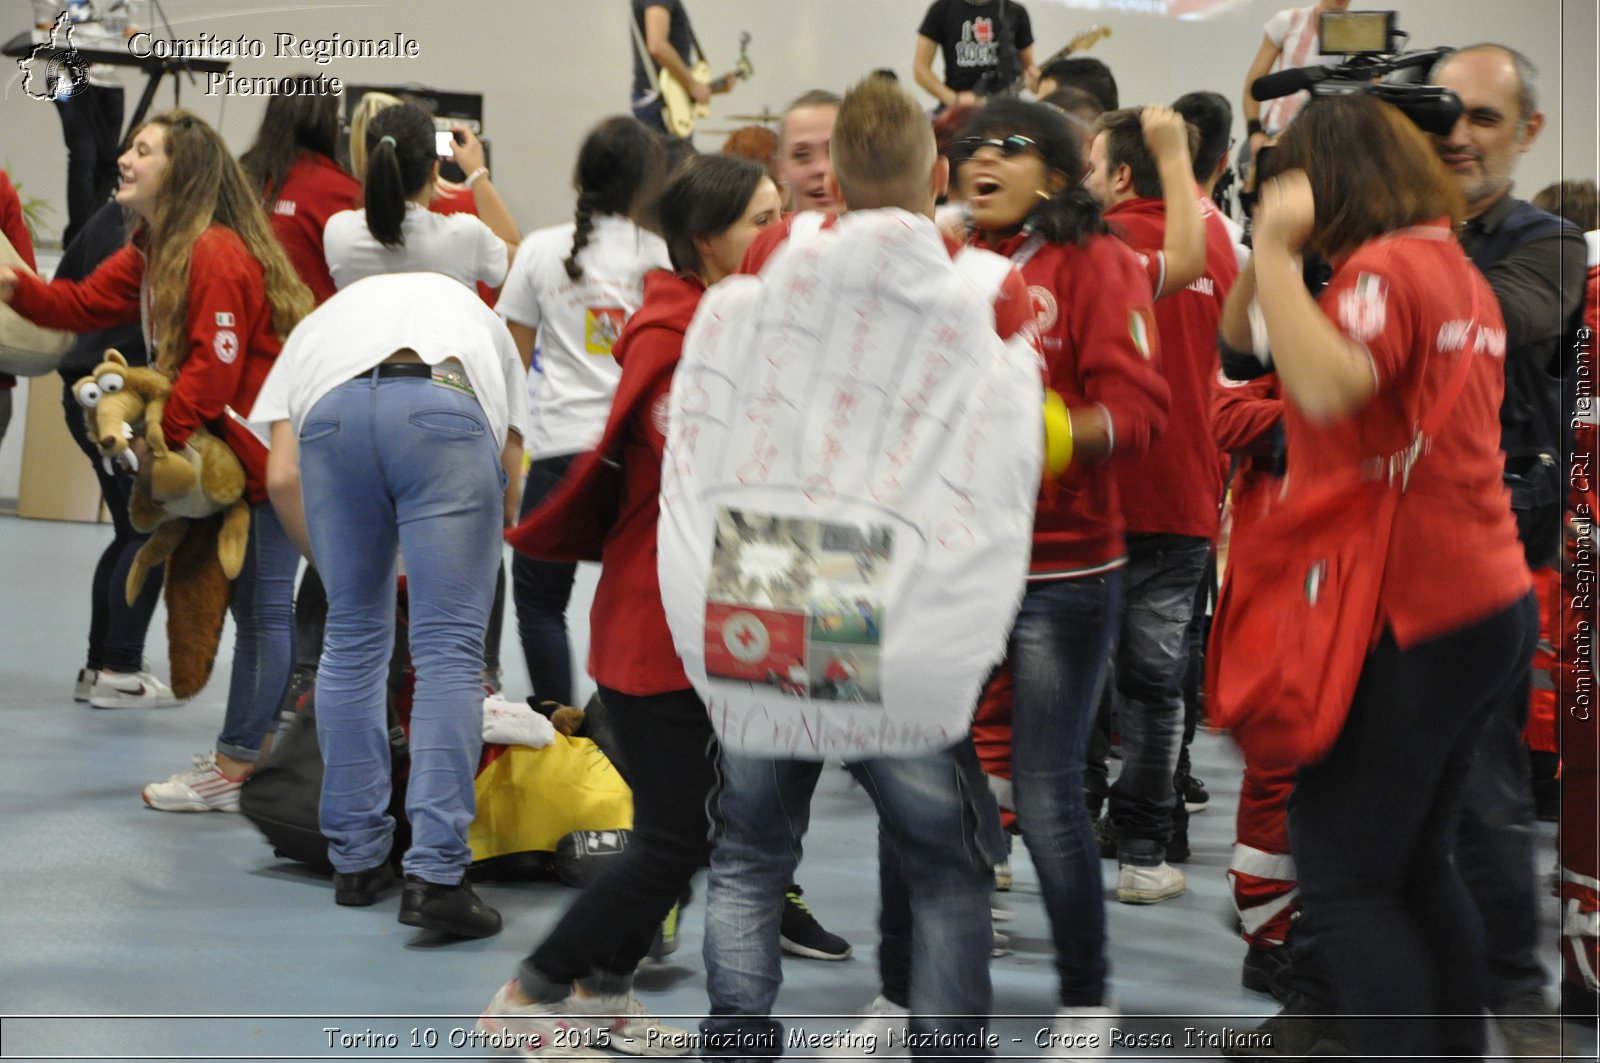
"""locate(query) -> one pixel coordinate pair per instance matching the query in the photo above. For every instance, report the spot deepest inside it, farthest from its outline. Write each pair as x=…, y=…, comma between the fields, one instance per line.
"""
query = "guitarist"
x=986, y=44
x=664, y=27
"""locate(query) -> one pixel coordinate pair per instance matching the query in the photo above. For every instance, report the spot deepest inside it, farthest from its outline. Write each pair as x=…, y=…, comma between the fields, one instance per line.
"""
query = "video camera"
x=1370, y=42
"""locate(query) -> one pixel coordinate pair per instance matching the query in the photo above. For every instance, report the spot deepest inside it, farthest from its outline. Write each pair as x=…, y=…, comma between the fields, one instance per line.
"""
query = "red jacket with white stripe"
x=230, y=341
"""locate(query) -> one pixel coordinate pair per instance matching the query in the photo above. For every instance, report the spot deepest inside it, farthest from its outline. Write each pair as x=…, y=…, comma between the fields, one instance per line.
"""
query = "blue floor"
x=146, y=935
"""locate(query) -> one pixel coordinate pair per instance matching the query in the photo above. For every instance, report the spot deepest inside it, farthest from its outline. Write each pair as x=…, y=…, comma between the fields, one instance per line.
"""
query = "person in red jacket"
x=216, y=295
x=583, y=971
x=293, y=166
x=1170, y=498
x=1247, y=422
x=15, y=228
x=1018, y=166
x=1574, y=656
x=1405, y=316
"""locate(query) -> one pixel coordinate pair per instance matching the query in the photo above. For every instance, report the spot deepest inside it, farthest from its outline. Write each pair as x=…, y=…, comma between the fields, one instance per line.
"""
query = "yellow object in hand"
x=1057, y=435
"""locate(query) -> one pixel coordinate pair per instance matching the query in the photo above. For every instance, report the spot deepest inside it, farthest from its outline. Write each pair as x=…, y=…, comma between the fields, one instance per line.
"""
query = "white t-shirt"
x=457, y=245
x=371, y=319
x=577, y=323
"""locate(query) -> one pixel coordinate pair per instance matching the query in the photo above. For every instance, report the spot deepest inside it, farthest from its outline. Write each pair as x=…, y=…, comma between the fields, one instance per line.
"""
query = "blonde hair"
x=370, y=105
x=204, y=185
x=883, y=148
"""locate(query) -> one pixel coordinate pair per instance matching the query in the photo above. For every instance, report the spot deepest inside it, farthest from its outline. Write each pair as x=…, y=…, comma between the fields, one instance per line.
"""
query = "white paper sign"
x=848, y=493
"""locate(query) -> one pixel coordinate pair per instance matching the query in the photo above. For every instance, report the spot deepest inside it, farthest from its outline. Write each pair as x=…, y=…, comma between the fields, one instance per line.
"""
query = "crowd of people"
x=383, y=349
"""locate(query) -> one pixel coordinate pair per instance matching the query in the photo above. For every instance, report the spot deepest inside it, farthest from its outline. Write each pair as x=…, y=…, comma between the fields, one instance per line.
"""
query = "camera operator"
x=1371, y=823
x=1535, y=262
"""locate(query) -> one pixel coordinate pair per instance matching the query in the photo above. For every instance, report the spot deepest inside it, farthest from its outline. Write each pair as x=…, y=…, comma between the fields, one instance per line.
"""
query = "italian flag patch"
x=1143, y=329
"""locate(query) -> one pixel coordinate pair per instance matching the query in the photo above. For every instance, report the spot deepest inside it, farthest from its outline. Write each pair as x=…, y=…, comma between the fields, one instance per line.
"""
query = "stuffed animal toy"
x=191, y=501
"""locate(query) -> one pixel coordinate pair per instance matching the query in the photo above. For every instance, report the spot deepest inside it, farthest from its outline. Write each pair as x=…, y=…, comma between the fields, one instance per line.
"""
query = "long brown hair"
x=203, y=184
x=1372, y=171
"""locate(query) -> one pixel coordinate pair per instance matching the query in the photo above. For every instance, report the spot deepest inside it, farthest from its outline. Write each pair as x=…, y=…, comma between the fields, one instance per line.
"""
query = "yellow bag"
x=528, y=799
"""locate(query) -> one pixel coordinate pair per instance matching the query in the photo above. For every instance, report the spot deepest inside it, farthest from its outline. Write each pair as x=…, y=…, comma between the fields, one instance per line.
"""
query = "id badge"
x=451, y=375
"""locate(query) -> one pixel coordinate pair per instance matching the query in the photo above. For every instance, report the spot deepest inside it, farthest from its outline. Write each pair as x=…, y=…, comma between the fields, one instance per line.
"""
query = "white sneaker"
x=203, y=788
x=1001, y=946
x=84, y=684
x=877, y=1020
x=1081, y=1033
x=536, y=1031
x=1138, y=884
x=623, y=1024
x=141, y=690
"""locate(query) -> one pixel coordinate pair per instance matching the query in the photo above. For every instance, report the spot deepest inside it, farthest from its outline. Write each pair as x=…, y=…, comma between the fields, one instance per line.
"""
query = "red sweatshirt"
x=15, y=228
x=630, y=645
x=1177, y=487
x=314, y=190
x=229, y=336
x=1092, y=305
x=1246, y=418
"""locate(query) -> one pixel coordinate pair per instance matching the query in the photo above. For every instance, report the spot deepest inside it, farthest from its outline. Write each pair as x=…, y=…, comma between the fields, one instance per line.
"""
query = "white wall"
x=550, y=70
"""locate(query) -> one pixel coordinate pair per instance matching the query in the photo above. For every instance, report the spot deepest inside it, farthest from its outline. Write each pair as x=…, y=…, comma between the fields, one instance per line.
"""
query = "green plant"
x=34, y=210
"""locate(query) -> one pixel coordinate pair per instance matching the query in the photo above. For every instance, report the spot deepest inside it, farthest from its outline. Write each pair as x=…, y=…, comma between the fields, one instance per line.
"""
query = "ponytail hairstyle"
x=1072, y=215
x=618, y=167
x=298, y=119
x=400, y=162
x=204, y=185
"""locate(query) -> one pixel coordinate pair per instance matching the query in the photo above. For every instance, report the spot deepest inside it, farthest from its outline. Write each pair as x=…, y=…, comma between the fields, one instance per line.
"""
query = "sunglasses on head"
x=1008, y=147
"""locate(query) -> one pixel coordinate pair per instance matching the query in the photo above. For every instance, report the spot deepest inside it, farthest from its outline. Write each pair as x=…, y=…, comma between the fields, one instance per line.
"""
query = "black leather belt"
x=420, y=370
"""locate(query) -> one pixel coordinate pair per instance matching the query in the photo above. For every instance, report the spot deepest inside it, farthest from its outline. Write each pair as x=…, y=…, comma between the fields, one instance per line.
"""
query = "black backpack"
x=281, y=796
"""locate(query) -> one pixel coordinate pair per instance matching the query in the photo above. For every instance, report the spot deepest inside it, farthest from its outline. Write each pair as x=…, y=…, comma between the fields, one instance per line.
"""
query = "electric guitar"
x=1081, y=43
x=678, y=109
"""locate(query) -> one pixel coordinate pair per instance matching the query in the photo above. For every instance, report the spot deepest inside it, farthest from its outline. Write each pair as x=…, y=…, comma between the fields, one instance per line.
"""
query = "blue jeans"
x=263, y=644
x=386, y=464
x=541, y=591
x=1372, y=827
x=1059, y=652
x=1159, y=585
x=936, y=818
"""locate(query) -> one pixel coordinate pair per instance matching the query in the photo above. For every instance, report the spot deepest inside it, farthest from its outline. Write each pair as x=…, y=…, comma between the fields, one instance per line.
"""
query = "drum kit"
x=768, y=117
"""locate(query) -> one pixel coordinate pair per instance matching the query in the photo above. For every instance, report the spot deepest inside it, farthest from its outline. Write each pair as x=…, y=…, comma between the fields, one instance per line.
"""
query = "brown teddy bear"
x=191, y=501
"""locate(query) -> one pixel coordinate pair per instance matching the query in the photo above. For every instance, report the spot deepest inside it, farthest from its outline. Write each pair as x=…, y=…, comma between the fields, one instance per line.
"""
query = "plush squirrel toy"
x=192, y=501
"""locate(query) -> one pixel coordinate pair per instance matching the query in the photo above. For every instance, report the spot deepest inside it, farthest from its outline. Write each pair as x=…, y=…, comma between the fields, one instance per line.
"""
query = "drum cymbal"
x=766, y=117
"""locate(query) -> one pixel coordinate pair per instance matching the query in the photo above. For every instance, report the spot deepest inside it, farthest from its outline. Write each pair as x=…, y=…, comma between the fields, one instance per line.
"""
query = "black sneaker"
x=1192, y=790
x=451, y=909
x=1265, y=969
x=801, y=935
x=360, y=889
x=1300, y=1030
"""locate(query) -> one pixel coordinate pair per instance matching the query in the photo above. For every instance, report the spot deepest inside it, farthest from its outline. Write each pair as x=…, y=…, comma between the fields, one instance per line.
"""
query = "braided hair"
x=620, y=161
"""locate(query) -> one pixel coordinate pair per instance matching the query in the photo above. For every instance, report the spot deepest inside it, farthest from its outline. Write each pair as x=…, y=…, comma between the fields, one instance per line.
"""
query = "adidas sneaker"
x=203, y=788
